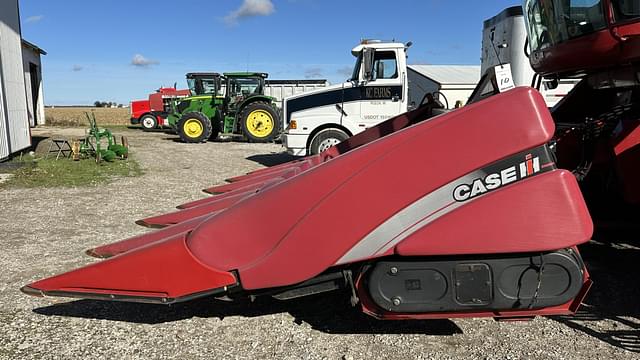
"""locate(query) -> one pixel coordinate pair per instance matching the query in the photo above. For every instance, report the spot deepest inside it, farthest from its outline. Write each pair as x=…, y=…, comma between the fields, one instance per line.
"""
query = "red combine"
x=152, y=113
x=465, y=214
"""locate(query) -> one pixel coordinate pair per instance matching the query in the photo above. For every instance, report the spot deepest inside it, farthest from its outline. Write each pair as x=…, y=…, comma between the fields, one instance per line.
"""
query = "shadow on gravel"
x=272, y=159
x=615, y=294
x=329, y=313
x=176, y=138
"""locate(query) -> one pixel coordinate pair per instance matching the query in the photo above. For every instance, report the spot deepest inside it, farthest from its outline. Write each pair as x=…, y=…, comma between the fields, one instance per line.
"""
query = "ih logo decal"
x=495, y=180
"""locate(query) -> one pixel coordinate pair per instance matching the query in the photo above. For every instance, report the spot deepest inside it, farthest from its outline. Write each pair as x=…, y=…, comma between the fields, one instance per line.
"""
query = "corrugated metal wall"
x=14, y=101
x=4, y=139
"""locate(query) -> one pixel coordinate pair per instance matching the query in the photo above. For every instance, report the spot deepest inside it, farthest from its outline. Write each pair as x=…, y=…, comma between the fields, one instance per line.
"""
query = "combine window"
x=625, y=10
x=552, y=22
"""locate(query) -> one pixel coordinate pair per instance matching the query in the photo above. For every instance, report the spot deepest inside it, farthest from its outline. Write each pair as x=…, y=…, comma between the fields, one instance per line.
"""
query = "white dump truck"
x=380, y=87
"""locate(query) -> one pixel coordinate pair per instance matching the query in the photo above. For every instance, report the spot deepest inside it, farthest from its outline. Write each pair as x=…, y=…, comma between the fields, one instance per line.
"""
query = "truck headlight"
x=293, y=125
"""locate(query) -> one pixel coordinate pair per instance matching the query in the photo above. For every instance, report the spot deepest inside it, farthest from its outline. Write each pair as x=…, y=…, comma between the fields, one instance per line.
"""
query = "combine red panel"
x=545, y=212
x=370, y=184
x=590, y=52
x=116, y=248
x=383, y=129
x=162, y=272
x=247, y=190
x=176, y=217
x=301, y=164
x=259, y=179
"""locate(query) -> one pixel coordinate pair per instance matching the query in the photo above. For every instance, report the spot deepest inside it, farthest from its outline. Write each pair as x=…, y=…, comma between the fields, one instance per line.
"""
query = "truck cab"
x=377, y=90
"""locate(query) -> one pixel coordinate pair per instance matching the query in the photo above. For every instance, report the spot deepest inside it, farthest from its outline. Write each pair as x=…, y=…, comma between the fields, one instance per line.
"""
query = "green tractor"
x=243, y=109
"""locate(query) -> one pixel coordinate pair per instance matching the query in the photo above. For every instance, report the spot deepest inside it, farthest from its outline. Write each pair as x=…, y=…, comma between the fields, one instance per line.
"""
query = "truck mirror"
x=367, y=63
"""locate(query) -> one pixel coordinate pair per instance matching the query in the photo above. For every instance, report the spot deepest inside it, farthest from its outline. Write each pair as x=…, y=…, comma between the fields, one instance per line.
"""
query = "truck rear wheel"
x=148, y=122
x=326, y=139
x=194, y=127
x=259, y=122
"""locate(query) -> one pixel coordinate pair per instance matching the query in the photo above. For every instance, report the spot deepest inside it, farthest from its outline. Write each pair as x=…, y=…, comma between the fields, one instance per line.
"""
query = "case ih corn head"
x=466, y=214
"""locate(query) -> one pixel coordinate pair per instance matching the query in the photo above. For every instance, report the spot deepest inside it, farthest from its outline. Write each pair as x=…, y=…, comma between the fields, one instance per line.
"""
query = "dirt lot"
x=74, y=116
x=45, y=231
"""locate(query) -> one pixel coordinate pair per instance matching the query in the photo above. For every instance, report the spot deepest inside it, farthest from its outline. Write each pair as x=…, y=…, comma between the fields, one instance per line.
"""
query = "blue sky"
x=122, y=50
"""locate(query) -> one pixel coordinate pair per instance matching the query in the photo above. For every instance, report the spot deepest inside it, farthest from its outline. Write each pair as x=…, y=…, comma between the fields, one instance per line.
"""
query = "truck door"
x=382, y=96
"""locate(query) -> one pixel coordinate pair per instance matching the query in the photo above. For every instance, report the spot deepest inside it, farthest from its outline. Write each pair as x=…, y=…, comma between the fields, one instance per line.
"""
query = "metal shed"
x=456, y=82
x=15, y=106
x=33, y=82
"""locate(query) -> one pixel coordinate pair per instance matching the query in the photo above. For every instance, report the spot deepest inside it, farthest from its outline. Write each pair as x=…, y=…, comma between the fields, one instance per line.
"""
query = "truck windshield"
x=243, y=86
x=625, y=10
x=551, y=22
x=356, y=68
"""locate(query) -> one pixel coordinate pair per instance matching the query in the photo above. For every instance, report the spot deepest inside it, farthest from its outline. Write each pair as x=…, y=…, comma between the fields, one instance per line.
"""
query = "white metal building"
x=33, y=82
x=20, y=83
x=456, y=82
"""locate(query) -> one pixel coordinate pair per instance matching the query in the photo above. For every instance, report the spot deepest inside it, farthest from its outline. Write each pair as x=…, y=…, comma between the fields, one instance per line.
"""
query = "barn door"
x=34, y=75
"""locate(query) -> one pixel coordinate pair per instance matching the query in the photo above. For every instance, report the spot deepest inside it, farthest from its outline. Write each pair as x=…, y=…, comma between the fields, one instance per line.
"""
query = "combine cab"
x=597, y=124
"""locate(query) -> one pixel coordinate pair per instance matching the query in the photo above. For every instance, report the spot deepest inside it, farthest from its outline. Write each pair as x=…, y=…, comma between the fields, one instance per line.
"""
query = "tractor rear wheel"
x=148, y=122
x=194, y=127
x=259, y=122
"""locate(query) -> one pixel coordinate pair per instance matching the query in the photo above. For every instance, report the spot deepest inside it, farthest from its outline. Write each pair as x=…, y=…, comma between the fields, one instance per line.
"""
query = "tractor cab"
x=573, y=37
x=241, y=86
x=204, y=83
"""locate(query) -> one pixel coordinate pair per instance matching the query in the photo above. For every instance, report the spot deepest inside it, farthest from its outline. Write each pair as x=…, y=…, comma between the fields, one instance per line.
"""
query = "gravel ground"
x=45, y=231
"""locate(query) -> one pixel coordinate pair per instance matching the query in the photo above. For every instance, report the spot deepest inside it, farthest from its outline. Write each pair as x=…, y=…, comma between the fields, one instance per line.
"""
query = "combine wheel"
x=194, y=127
x=148, y=122
x=326, y=139
x=259, y=122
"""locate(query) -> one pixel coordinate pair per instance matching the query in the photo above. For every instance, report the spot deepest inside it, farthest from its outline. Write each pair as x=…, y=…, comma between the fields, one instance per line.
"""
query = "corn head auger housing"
x=463, y=215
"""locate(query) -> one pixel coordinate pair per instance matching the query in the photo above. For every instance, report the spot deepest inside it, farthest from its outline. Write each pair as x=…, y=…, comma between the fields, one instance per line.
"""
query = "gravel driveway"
x=45, y=231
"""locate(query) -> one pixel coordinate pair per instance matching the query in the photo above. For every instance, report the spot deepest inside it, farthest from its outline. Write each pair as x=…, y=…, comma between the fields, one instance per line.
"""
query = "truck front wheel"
x=326, y=139
x=148, y=122
x=194, y=127
x=259, y=122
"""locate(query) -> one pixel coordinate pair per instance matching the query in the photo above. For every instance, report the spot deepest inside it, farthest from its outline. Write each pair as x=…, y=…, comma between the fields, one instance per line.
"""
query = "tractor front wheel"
x=194, y=127
x=259, y=122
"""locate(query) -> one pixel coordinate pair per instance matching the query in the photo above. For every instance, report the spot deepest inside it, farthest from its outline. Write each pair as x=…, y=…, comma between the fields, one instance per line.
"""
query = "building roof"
x=449, y=74
x=34, y=47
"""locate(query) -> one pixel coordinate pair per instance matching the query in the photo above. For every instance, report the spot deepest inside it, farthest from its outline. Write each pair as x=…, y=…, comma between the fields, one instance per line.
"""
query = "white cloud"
x=141, y=61
x=312, y=73
x=250, y=8
x=34, y=18
x=345, y=71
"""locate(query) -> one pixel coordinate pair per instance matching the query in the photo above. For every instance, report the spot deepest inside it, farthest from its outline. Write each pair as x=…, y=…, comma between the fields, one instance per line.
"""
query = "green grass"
x=40, y=172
